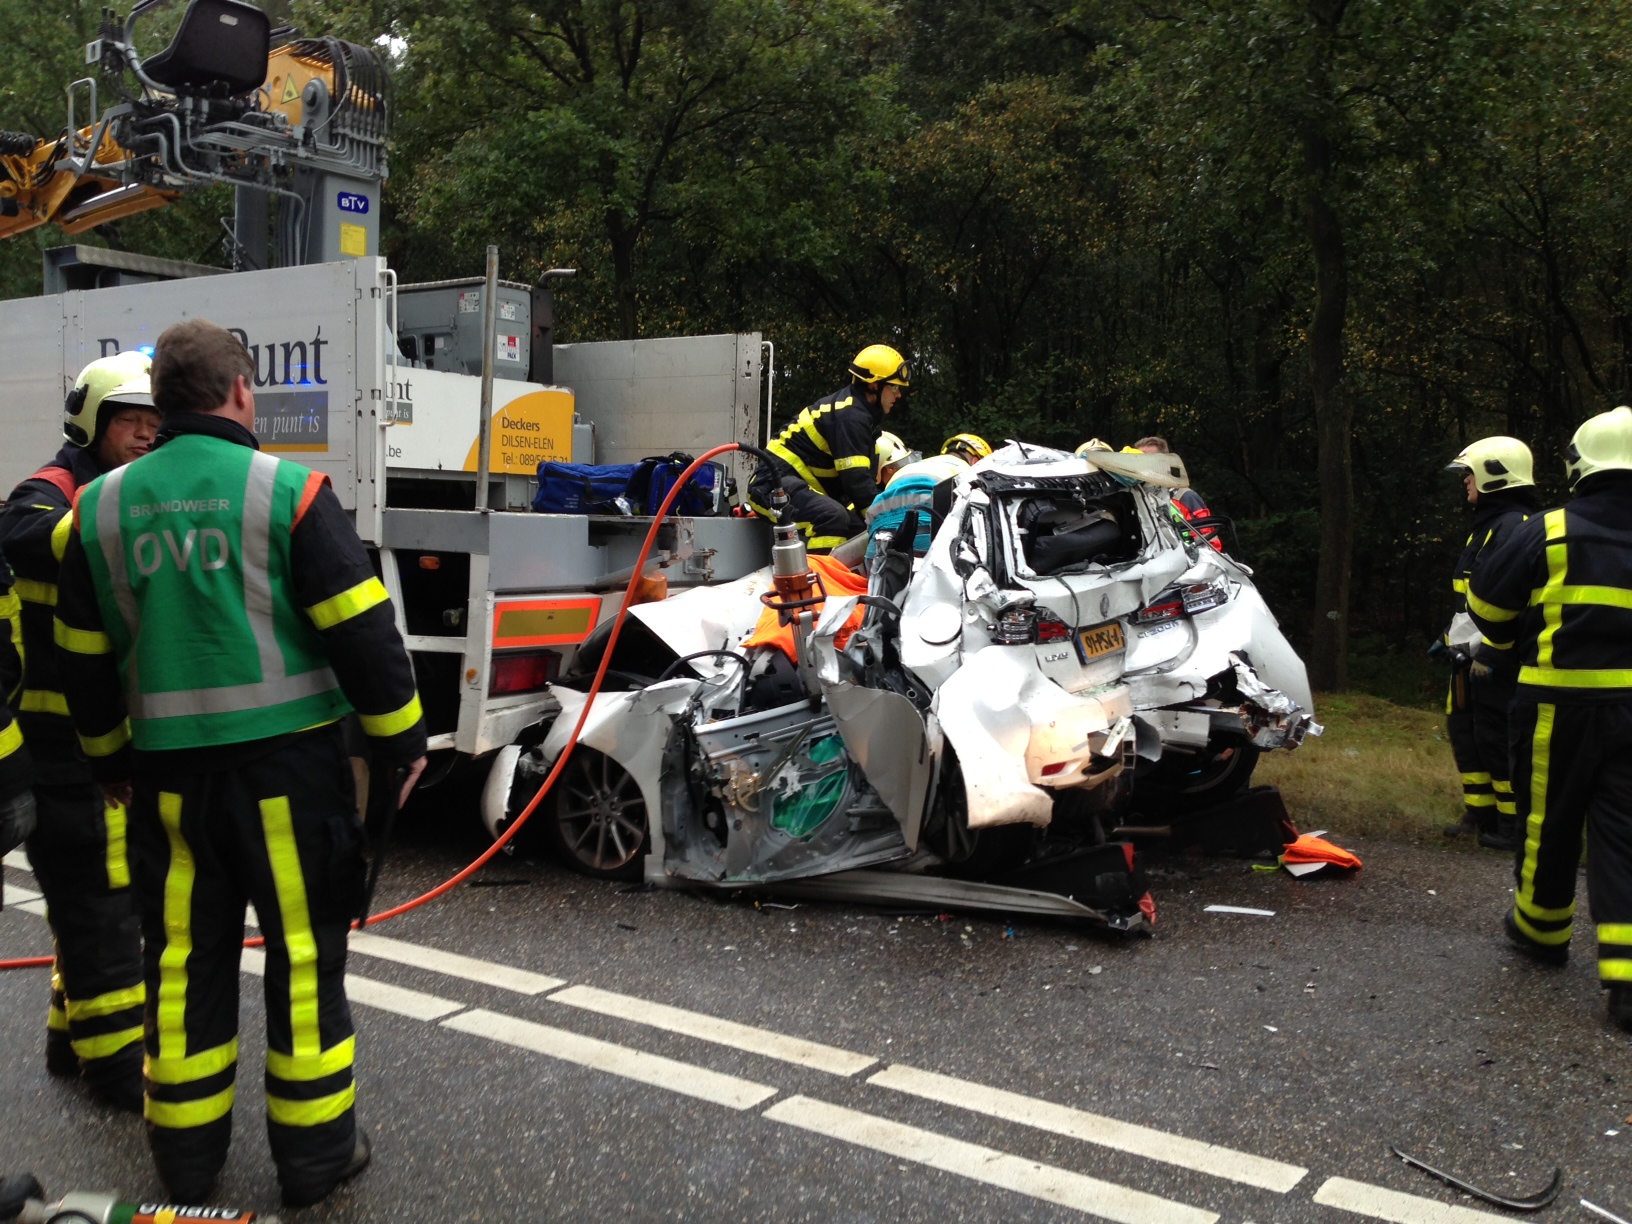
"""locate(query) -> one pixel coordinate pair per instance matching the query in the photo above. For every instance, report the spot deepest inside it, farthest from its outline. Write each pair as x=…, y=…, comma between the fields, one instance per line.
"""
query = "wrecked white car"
x=972, y=729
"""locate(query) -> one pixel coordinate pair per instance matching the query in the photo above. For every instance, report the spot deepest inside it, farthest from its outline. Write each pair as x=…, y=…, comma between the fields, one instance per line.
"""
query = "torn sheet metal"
x=1274, y=719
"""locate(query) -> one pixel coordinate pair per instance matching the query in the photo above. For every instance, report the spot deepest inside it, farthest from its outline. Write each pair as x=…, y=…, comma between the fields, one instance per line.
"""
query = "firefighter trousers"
x=1476, y=713
x=78, y=855
x=822, y=521
x=1572, y=774
x=279, y=831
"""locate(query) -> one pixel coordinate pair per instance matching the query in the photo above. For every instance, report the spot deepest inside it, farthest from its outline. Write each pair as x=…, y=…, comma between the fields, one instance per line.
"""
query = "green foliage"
x=1078, y=218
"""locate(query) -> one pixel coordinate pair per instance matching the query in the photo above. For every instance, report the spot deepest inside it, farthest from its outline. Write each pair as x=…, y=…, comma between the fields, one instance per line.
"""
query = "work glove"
x=16, y=821
x=1478, y=670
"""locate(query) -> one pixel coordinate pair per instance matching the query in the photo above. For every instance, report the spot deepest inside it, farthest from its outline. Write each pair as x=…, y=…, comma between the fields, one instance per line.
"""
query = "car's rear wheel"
x=597, y=822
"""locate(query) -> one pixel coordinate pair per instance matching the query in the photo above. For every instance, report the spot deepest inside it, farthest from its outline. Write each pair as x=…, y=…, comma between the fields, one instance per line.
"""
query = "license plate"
x=1101, y=640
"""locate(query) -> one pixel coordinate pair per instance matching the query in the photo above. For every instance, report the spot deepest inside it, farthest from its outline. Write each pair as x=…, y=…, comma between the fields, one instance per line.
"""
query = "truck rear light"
x=529, y=671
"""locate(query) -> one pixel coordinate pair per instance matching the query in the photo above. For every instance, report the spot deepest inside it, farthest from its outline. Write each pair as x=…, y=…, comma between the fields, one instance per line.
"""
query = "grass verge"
x=1380, y=770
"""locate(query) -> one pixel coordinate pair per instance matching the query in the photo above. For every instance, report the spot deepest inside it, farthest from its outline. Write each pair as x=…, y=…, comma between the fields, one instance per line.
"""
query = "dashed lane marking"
x=18, y=860
x=1092, y=1128
x=451, y=964
x=721, y=1032
x=415, y=1004
x=659, y=1072
x=983, y=1164
x=1380, y=1204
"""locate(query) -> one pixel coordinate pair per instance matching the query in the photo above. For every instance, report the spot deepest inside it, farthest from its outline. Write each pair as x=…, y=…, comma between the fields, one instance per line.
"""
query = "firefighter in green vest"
x=217, y=618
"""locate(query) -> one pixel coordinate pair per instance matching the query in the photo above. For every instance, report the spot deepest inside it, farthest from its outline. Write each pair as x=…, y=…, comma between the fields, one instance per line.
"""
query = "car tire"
x=1193, y=783
x=595, y=822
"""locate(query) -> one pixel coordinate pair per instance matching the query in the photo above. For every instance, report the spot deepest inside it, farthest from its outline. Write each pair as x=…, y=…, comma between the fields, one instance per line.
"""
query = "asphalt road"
x=1377, y=1009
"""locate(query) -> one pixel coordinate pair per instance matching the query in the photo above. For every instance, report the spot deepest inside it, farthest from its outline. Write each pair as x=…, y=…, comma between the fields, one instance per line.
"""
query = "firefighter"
x=17, y=808
x=1496, y=473
x=1558, y=595
x=826, y=460
x=78, y=850
x=227, y=593
x=921, y=486
x=1186, y=504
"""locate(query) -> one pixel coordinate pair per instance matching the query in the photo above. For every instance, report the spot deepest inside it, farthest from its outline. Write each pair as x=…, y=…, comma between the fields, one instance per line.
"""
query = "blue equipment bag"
x=583, y=488
x=654, y=477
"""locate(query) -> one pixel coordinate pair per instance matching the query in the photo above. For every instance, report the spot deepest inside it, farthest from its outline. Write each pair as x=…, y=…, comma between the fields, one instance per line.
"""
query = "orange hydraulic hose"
x=37, y=962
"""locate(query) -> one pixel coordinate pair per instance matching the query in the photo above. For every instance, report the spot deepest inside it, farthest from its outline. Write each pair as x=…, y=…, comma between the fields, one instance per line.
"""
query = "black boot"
x=60, y=1059
x=1504, y=837
x=1552, y=955
x=306, y=1195
x=1461, y=828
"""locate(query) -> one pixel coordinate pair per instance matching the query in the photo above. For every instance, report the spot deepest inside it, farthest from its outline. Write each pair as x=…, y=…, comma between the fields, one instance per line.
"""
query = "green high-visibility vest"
x=190, y=550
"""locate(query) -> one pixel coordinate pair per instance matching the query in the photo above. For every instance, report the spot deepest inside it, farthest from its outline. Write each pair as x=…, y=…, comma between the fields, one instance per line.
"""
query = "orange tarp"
x=837, y=579
x=1311, y=849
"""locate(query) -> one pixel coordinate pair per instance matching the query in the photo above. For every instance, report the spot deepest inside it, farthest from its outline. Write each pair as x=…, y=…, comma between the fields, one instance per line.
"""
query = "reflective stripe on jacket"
x=832, y=447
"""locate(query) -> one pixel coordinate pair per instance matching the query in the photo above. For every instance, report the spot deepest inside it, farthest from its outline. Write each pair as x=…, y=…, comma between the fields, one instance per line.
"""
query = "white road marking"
x=451, y=964
x=15, y=893
x=711, y=1028
x=618, y=1060
x=414, y=1004
x=18, y=860
x=1092, y=1128
x=34, y=907
x=1391, y=1205
x=984, y=1164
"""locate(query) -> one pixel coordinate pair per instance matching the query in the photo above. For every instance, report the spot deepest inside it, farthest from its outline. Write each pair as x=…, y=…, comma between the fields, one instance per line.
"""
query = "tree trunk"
x=623, y=237
x=1334, y=414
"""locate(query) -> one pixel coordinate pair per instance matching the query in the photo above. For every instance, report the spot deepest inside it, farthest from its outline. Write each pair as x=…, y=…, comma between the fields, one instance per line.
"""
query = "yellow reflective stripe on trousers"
x=178, y=939
x=1615, y=933
x=30, y=590
x=106, y=745
x=298, y=940
x=107, y=1004
x=11, y=739
x=104, y=1045
x=394, y=723
x=114, y=818
x=1575, y=677
x=1615, y=970
x=194, y=1067
x=1478, y=800
x=300, y=1068
x=177, y=1115
x=1541, y=743
x=354, y=602
x=1552, y=612
x=1475, y=779
x=56, y=1020
x=310, y=1113
x=80, y=641
x=43, y=701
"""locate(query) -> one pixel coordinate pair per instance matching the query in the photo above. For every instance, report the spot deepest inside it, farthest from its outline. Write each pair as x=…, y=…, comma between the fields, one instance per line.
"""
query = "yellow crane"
x=229, y=101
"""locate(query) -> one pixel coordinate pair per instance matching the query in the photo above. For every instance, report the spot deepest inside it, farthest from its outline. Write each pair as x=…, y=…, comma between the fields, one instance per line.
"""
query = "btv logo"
x=352, y=202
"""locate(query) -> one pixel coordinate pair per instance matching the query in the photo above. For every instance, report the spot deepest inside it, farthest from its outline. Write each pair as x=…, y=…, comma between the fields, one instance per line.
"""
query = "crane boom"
x=220, y=105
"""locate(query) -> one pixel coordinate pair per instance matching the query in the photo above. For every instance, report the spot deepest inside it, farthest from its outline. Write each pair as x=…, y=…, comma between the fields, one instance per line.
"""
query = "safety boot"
x=1620, y=1006
x=1461, y=828
x=1504, y=837
x=307, y=1195
x=1552, y=955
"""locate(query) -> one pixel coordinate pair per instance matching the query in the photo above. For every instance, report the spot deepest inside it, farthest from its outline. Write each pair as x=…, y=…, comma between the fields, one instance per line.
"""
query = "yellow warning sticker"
x=353, y=240
x=290, y=93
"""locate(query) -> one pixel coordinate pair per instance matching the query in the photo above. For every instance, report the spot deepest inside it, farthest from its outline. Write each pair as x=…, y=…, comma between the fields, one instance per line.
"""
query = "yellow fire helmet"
x=1496, y=463
x=114, y=382
x=1093, y=444
x=969, y=446
x=1602, y=444
x=880, y=363
x=891, y=450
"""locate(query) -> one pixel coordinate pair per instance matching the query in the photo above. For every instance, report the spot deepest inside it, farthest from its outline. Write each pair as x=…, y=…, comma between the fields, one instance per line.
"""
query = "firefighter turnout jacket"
x=832, y=446
x=252, y=563
x=16, y=771
x=1494, y=520
x=1556, y=597
x=33, y=531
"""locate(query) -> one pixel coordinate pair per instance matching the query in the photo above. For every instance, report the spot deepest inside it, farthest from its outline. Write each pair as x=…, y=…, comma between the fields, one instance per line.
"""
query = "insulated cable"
x=514, y=827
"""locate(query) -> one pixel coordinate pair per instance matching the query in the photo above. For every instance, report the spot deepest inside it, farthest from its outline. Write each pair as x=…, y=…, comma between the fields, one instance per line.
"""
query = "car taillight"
x=1052, y=631
x=1162, y=610
x=1203, y=596
x=522, y=672
x=1016, y=627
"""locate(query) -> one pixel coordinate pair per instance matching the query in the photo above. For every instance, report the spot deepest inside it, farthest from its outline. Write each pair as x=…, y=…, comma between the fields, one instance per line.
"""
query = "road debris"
x=1534, y=1202
x=1239, y=909
x=1602, y=1214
